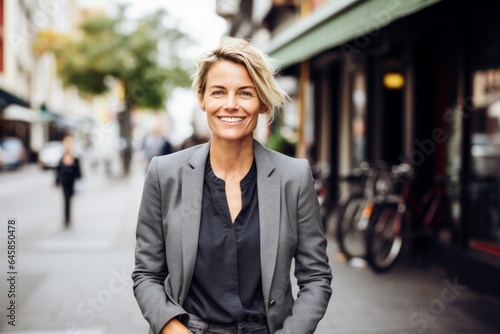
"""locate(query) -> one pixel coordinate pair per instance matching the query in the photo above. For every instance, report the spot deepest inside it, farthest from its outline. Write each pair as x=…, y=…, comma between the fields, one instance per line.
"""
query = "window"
x=485, y=151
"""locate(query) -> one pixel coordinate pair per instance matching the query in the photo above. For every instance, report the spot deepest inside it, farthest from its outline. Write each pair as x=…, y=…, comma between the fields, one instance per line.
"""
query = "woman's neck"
x=231, y=159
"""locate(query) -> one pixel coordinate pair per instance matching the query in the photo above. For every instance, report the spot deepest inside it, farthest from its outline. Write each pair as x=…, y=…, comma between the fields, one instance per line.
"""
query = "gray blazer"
x=290, y=228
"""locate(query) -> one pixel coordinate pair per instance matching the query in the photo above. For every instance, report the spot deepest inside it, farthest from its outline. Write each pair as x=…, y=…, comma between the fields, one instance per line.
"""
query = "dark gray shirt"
x=226, y=285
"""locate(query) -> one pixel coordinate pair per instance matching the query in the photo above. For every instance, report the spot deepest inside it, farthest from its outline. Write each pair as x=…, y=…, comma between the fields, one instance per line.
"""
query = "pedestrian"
x=67, y=173
x=155, y=144
x=220, y=223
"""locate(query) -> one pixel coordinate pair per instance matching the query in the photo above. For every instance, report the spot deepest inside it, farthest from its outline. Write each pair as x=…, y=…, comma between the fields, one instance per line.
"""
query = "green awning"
x=338, y=22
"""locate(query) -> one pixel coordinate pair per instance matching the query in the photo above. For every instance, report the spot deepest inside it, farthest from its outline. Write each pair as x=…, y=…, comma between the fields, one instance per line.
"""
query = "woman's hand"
x=174, y=326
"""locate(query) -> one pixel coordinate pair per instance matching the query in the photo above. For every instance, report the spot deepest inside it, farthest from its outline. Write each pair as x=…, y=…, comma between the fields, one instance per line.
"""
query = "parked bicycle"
x=321, y=174
x=353, y=214
x=402, y=214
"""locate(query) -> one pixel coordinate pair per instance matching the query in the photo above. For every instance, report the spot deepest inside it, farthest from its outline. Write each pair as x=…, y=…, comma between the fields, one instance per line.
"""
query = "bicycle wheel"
x=350, y=239
x=385, y=237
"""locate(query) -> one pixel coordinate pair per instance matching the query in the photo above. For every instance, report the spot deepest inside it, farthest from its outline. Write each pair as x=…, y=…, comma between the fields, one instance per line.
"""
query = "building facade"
x=34, y=105
x=401, y=81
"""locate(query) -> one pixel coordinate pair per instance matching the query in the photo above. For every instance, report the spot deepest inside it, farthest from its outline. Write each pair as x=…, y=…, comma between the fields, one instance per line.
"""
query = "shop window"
x=485, y=152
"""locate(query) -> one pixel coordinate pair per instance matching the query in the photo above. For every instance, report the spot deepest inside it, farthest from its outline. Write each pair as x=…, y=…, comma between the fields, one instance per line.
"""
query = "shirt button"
x=272, y=302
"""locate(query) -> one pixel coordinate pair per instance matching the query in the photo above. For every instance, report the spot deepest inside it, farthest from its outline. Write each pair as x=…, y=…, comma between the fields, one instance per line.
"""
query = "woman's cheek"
x=214, y=104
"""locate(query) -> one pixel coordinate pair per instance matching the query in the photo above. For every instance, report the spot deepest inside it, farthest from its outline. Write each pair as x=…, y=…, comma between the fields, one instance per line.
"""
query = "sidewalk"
x=405, y=300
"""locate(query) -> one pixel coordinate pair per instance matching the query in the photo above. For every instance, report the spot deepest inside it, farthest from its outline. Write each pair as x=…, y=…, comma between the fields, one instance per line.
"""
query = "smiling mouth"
x=231, y=119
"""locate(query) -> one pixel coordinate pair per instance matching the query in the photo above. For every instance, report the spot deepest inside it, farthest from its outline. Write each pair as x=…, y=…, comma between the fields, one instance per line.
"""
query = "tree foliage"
x=143, y=54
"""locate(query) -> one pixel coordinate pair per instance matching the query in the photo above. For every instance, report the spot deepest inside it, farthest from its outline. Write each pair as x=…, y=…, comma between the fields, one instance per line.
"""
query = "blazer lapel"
x=268, y=189
x=193, y=175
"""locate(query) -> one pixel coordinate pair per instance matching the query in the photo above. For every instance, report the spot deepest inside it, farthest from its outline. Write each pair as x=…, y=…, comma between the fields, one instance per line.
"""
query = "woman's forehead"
x=226, y=72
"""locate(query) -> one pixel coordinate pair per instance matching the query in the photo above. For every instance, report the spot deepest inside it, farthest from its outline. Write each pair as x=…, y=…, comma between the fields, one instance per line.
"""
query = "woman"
x=220, y=223
x=67, y=172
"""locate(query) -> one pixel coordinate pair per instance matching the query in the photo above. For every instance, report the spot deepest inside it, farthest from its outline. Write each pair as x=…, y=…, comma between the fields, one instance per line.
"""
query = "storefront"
x=415, y=82
x=484, y=153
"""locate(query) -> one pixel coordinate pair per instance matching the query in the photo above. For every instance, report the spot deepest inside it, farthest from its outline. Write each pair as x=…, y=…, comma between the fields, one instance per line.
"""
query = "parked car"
x=12, y=153
x=50, y=154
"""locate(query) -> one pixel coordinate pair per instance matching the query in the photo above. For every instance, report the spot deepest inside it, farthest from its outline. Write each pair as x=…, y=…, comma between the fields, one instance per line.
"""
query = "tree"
x=142, y=54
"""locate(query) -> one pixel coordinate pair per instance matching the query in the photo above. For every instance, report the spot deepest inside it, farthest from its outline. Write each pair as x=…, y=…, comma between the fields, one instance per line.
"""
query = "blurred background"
x=395, y=103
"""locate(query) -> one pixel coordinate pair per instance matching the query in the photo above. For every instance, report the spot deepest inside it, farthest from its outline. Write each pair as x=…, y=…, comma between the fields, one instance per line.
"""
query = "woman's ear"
x=263, y=108
x=201, y=102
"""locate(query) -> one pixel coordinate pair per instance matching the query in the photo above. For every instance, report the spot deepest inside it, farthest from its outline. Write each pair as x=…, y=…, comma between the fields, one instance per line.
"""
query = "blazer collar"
x=268, y=187
x=193, y=175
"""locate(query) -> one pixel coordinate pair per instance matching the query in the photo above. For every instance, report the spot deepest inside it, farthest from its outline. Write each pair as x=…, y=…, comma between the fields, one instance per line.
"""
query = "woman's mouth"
x=231, y=119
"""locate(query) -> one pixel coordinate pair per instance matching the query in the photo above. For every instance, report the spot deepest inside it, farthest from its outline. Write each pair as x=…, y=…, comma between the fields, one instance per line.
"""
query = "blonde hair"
x=258, y=65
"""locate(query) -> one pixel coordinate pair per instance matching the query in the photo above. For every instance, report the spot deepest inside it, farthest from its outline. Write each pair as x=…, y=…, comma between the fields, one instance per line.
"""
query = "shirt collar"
x=211, y=177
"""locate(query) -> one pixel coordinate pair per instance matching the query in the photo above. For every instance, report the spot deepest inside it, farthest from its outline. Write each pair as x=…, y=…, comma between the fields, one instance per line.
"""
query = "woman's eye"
x=246, y=93
x=217, y=92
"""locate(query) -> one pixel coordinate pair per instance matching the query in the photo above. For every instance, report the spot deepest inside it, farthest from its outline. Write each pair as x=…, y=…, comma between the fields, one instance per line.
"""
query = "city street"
x=78, y=280
x=395, y=104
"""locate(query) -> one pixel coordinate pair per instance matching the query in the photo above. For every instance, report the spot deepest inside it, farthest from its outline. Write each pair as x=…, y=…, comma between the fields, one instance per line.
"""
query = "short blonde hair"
x=258, y=65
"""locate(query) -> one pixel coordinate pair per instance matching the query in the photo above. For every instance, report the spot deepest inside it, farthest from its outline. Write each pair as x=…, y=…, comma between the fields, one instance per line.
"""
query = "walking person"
x=67, y=172
x=220, y=223
x=156, y=144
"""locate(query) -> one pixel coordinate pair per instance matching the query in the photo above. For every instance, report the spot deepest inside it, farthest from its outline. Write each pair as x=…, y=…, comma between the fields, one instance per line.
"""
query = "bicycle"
x=321, y=174
x=353, y=214
x=389, y=225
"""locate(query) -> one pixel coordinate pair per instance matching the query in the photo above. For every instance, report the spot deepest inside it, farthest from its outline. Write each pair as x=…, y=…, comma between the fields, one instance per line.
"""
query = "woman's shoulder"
x=285, y=160
x=178, y=158
x=285, y=164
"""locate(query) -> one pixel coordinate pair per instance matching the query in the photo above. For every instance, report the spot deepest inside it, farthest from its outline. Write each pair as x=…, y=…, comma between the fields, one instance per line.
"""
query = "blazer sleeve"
x=151, y=271
x=312, y=270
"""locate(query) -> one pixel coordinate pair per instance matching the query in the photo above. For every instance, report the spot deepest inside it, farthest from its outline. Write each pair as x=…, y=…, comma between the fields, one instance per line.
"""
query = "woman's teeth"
x=231, y=119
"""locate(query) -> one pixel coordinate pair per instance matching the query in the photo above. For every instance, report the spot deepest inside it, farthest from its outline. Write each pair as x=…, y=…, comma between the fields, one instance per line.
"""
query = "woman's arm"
x=78, y=170
x=312, y=270
x=57, y=173
x=151, y=270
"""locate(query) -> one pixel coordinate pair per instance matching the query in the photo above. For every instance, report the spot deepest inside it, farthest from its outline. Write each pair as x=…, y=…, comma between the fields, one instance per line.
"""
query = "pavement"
x=78, y=280
x=408, y=299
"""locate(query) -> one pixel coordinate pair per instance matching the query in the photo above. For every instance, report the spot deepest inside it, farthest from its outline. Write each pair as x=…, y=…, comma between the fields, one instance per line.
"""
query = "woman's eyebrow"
x=216, y=86
x=223, y=87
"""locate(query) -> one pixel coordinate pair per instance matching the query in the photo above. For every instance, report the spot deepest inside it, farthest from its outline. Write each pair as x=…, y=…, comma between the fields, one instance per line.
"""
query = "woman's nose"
x=231, y=102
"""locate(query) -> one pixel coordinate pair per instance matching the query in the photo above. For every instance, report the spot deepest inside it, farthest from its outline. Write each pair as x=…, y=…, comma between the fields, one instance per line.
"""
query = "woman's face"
x=231, y=102
x=68, y=143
